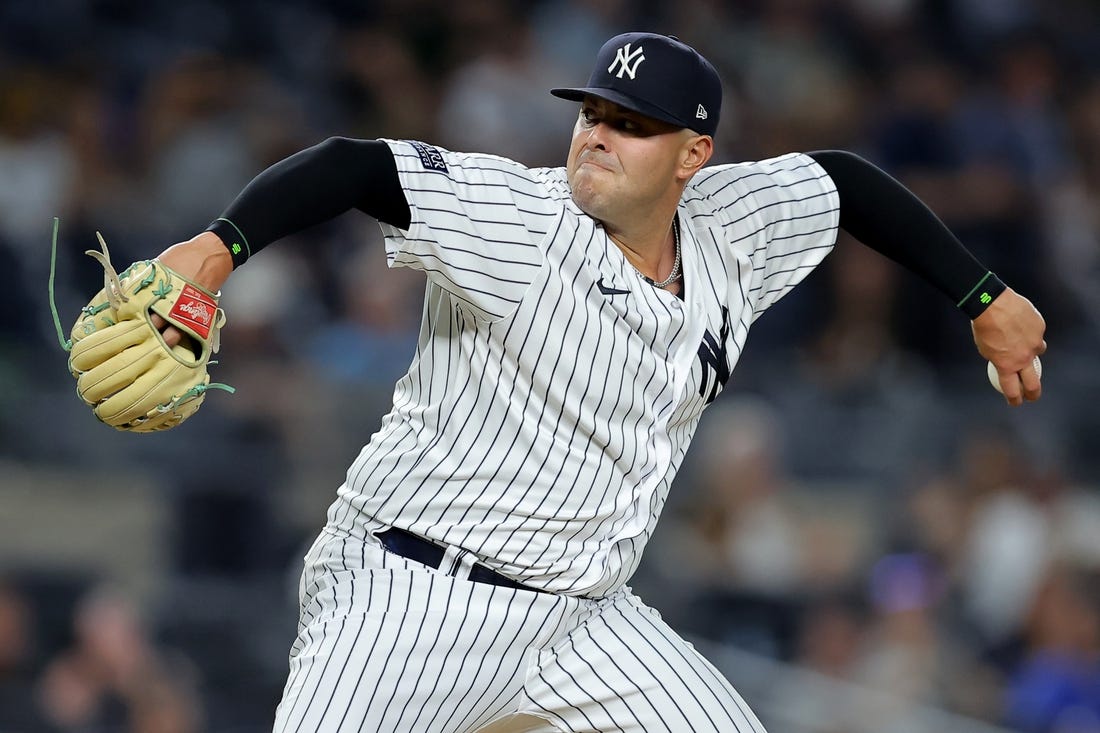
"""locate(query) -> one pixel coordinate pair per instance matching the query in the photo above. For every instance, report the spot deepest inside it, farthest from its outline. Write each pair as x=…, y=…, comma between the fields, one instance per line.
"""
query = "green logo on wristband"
x=236, y=248
x=986, y=298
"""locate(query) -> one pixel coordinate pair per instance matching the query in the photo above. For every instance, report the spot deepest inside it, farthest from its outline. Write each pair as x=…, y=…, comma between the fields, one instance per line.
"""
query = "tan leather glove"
x=124, y=370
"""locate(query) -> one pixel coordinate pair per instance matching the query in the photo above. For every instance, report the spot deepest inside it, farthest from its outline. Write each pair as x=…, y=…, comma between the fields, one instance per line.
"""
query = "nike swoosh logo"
x=610, y=291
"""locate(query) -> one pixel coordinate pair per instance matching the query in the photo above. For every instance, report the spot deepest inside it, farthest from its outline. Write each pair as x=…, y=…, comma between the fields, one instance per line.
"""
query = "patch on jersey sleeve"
x=430, y=157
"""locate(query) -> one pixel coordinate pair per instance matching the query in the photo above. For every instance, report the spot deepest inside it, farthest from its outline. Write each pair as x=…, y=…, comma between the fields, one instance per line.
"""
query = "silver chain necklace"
x=675, y=274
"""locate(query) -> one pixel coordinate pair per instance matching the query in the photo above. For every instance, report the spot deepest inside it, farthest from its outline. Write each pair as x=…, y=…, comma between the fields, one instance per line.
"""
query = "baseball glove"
x=124, y=369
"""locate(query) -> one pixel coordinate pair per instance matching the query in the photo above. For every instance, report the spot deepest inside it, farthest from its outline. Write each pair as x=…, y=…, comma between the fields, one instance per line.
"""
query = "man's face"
x=622, y=162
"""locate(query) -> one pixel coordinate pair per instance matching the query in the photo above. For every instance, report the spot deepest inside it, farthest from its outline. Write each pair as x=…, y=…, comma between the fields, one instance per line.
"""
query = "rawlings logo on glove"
x=197, y=307
x=125, y=371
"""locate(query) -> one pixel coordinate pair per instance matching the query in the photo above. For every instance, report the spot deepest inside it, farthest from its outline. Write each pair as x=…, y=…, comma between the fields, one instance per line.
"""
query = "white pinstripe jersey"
x=544, y=414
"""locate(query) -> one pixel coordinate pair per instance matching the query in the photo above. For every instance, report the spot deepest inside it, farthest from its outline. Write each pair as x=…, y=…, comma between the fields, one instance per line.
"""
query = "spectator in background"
x=747, y=520
x=935, y=521
x=979, y=151
x=1013, y=131
x=1009, y=532
x=566, y=31
x=831, y=635
x=382, y=89
x=733, y=554
x=1056, y=688
x=1072, y=210
x=107, y=182
x=980, y=21
x=114, y=676
x=17, y=653
x=497, y=101
x=906, y=654
x=858, y=407
x=373, y=334
x=1018, y=119
x=799, y=91
x=198, y=153
x=744, y=550
x=36, y=159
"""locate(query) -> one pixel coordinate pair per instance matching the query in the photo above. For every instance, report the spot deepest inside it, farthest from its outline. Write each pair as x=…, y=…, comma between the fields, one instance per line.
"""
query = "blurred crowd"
x=859, y=503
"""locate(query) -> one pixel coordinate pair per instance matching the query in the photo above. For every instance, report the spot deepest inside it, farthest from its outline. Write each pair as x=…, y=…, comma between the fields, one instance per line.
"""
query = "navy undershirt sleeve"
x=886, y=216
x=310, y=187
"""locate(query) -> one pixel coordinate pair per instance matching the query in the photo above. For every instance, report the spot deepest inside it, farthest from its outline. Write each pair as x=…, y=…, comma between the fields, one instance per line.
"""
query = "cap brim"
x=578, y=94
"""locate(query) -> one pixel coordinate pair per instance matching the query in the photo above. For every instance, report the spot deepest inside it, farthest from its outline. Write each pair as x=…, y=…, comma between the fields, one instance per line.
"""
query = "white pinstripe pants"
x=386, y=644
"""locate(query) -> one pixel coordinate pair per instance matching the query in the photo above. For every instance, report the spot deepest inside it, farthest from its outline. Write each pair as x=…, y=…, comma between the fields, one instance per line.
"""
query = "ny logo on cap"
x=627, y=61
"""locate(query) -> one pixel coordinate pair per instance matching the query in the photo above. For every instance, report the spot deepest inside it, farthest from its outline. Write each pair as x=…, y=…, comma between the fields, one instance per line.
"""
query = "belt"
x=426, y=552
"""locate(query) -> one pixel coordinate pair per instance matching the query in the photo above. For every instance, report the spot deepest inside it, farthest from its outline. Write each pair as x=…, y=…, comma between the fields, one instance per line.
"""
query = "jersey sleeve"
x=781, y=215
x=477, y=222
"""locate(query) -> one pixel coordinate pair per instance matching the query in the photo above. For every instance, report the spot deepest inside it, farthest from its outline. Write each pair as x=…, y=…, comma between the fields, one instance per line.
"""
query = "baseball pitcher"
x=578, y=320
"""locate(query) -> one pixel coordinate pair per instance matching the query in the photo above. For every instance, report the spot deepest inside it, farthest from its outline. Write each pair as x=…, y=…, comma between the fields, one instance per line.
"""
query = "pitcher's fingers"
x=1032, y=384
x=171, y=334
x=1011, y=388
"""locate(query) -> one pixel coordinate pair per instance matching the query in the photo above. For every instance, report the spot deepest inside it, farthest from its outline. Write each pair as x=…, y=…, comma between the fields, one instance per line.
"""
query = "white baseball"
x=995, y=380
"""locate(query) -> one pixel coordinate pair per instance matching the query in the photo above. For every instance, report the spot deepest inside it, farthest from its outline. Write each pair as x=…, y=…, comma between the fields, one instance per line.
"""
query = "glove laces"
x=111, y=283
x=66, y=344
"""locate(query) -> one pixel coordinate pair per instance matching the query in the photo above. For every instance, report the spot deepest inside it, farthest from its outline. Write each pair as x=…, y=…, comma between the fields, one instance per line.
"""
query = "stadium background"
x=864, y=537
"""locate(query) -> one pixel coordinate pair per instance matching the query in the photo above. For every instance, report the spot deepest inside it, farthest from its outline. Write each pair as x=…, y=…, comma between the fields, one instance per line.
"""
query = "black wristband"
x=981, y=295
x=233, y=239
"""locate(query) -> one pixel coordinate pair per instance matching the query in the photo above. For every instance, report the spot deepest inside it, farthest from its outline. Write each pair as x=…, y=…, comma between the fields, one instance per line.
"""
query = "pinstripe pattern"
x=541, y=422
x=537, y=431
x=625, y=669
x=386, y=645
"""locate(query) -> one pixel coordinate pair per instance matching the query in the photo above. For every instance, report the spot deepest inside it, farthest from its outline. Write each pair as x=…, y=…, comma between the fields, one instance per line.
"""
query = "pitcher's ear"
x=696, y=152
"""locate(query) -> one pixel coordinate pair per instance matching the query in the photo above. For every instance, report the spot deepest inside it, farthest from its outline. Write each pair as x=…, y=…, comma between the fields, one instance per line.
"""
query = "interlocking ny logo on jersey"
x=627, y=61
x=715, y=361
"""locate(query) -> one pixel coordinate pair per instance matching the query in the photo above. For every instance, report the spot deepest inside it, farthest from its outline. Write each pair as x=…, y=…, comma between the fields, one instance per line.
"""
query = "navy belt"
x=426, y=552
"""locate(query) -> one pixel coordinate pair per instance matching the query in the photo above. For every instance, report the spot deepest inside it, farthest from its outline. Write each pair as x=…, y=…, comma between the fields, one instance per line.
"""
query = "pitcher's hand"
x=203, y=259
x=1009, y=333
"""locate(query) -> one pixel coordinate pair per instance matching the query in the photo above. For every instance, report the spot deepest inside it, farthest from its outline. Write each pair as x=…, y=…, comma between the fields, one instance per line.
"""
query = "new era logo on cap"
x=658, y=76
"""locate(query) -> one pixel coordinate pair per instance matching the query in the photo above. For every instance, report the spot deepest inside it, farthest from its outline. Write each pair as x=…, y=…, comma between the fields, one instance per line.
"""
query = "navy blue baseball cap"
x=657, y=76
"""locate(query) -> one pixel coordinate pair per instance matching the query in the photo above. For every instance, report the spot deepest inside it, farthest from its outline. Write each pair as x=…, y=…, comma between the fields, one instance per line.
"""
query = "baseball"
x=995, y=380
